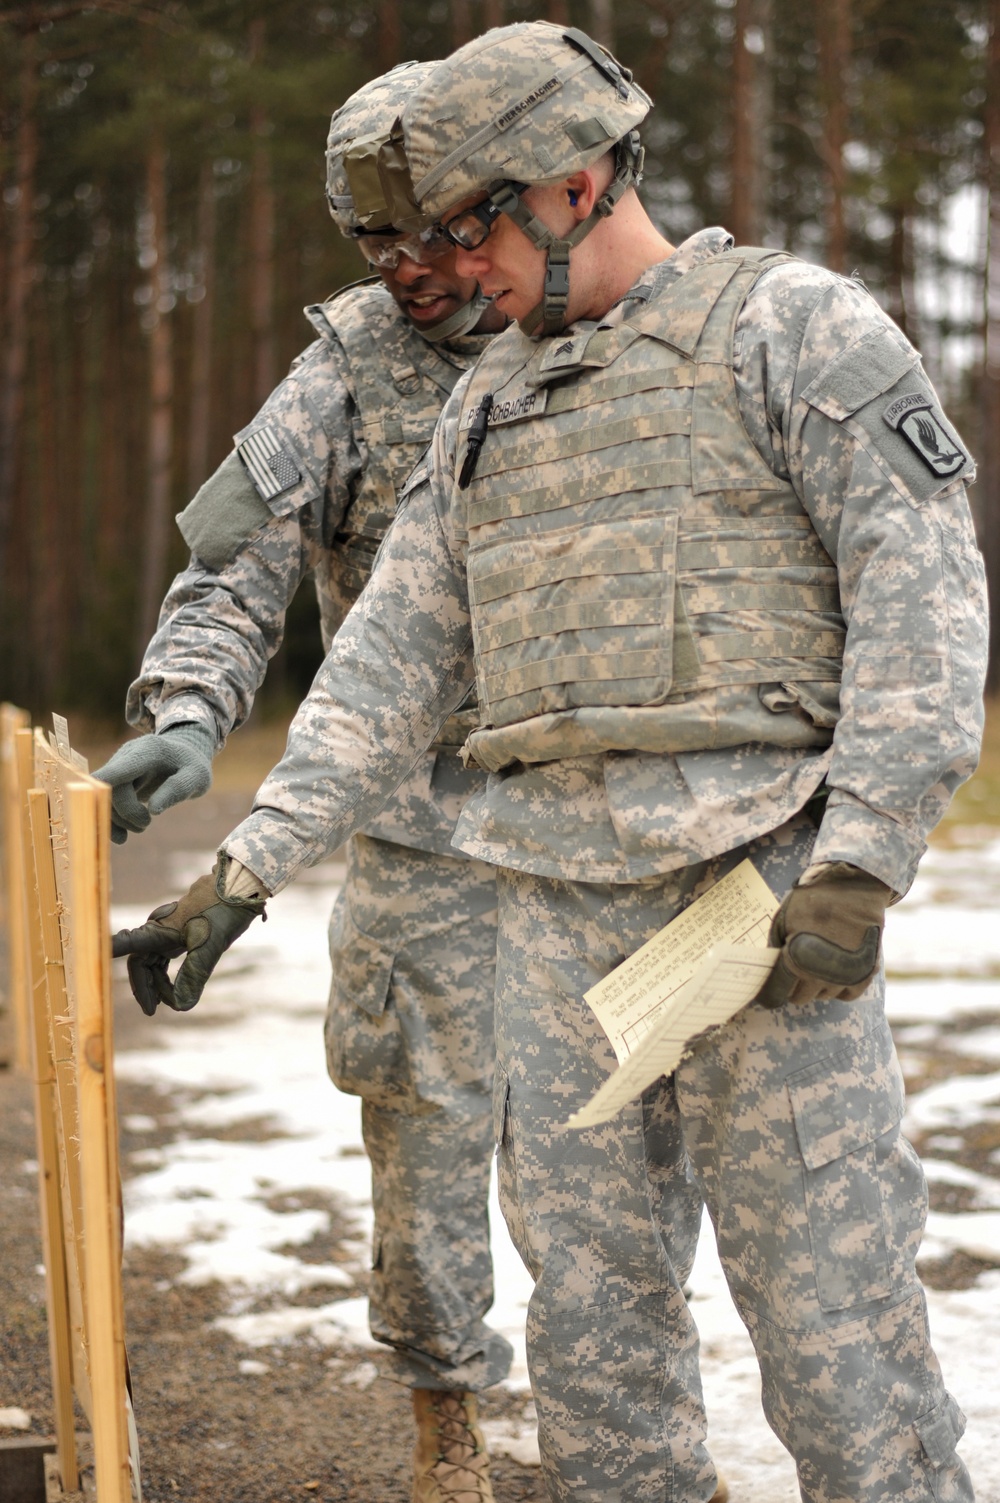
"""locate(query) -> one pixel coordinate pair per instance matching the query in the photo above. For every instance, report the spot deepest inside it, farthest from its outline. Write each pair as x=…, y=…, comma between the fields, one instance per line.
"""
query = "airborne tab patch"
x=918, y=420
x=272, y=469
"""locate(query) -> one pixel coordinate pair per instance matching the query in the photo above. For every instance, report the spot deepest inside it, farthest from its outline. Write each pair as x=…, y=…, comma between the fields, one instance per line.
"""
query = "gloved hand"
x=829, y=929
x=152, y=773
x=203, y=924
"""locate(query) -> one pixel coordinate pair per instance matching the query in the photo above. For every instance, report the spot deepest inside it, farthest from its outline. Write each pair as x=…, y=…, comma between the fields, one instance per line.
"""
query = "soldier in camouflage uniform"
x=310, y=489
x=698, y=530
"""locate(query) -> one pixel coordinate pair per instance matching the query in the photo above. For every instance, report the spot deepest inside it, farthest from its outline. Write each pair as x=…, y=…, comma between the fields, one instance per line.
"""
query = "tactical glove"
x=152, y=773
x=829, y=929
x=203, y=924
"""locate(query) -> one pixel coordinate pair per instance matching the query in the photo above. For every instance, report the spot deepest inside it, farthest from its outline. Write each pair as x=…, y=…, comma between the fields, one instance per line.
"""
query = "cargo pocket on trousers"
x=503, y=1132
x=940, y=1431
x=365, y=1050
x=842, y=1105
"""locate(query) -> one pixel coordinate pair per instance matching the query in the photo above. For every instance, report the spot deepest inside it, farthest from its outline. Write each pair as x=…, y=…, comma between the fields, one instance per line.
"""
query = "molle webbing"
x=628, y=544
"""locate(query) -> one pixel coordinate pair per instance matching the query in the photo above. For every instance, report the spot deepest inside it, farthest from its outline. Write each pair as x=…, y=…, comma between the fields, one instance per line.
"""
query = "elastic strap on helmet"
x=462, y=321
x=549, y=316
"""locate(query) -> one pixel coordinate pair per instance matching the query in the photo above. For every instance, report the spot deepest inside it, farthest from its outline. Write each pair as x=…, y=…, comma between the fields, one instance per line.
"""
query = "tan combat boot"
x=450, y=1463
x=721, y=1494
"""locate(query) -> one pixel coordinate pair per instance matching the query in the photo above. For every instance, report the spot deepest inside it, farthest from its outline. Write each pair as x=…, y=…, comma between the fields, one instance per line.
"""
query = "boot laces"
x=461, y=1466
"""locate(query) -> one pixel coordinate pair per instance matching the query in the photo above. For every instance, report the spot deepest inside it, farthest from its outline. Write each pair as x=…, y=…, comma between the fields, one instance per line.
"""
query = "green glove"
x=203, y=924
x=830, y=933
x=152, y=773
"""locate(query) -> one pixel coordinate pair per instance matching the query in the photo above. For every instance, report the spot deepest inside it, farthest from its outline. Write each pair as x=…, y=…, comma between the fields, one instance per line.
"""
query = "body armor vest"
x=400, y=383
x=631, y=555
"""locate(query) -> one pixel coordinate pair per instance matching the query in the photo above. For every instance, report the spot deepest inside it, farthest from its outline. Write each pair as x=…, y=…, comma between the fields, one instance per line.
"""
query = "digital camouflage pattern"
x=788, y=1119
x=368, y=112
x=787, y=1123
x=350, y=421
x=413, y=937
x=911, y=593
x=692, y=566
x=529, y=103
x=410, y=1029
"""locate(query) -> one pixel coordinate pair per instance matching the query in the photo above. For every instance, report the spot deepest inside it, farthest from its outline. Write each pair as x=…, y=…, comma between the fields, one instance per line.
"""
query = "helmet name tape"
x=493, y=128
x=528, y=102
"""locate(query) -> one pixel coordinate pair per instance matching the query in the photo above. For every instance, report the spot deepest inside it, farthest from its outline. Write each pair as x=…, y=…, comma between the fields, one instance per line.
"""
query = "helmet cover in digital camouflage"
x=522, y=105
x=368, y=115
x=529, y=103
x=356, y=201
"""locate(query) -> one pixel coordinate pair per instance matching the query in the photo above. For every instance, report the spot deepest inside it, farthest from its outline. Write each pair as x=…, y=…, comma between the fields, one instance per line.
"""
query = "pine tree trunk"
x=156, y=531
x=834, y=27
x=199, y=423
x=461, y=23
x=752, y=113
x=20, y=273
x=557, y=11
x=390, y=35
x=989, y=486
x=261, y=239
x=46, y=532
x=493, y=14
x=602, y=23
x=899, y=287
x=742, y=218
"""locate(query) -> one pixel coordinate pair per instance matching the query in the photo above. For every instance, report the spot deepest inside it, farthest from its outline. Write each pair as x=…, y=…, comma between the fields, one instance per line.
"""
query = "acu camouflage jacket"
x=326, y=455
x=837, y=406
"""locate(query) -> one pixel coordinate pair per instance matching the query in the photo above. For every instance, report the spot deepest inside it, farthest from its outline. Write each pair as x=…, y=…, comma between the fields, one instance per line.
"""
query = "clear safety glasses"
x=383, y=249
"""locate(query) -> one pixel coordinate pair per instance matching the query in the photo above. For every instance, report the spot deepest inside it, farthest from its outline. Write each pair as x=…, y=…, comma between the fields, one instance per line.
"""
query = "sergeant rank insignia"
x=917, y=420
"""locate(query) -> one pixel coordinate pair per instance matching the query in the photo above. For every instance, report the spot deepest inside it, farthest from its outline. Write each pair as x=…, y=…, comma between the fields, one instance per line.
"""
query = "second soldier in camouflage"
x=309, y=491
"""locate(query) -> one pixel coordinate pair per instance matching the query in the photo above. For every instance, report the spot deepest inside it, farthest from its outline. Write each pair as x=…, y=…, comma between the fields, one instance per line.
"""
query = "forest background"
x=163, y=224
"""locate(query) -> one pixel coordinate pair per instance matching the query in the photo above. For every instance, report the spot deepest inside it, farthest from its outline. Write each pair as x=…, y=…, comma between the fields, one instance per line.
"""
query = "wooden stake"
x=47, y=1139
x=89, y=822
x=13, y=720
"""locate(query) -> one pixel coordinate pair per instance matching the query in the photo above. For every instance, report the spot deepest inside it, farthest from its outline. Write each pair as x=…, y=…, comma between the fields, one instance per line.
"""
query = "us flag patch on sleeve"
x=272, y=468
x=915, y=417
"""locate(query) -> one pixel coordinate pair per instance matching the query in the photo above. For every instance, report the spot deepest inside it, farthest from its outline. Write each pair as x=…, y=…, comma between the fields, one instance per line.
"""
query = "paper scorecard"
x=730, y=977
x=694, y=975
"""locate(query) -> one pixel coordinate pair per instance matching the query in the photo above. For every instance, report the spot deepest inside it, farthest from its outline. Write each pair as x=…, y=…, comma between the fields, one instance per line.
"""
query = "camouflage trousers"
x=410, y=1029
x=786, y=1123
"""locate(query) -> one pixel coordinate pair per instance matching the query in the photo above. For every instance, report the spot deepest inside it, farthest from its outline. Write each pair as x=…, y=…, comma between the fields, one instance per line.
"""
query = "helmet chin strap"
x=462, y=321
x=549, y=316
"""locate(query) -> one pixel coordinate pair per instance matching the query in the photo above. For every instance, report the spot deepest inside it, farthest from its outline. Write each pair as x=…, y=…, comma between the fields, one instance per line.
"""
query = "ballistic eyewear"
x=383, y=248
x=469, y=228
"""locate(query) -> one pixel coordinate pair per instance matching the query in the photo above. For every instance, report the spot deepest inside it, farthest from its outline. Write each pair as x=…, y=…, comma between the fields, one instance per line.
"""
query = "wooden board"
x=65, y=820
x=13, y=890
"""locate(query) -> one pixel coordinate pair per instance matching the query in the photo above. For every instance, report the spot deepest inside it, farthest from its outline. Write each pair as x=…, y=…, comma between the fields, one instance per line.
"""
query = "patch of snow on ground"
x=253, y=1053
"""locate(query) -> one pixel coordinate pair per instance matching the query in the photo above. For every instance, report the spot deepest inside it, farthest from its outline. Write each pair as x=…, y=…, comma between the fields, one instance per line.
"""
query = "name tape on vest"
x=528, y=404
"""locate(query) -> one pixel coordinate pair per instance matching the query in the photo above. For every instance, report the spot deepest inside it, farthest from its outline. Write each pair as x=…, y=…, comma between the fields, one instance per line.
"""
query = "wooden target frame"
x=65, y=841
x=13, y=892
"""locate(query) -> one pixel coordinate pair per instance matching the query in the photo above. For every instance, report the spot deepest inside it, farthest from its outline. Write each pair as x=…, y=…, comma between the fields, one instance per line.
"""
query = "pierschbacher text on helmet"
x=526, y=103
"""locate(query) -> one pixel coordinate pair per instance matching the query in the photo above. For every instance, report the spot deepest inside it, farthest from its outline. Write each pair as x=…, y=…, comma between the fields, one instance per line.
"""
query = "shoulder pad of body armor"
x=321, y=315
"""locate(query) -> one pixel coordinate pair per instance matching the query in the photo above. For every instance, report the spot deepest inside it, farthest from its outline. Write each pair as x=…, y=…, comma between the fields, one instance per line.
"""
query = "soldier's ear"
x=580, y=189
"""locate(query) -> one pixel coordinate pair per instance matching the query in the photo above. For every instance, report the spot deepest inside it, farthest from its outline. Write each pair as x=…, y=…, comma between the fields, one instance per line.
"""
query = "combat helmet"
x=521, y=105
x=369, y=114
